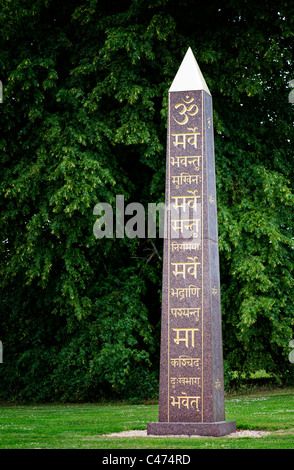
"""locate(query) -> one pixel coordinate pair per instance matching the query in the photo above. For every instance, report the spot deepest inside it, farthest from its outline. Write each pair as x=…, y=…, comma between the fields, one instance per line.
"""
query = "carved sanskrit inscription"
x=185, y=258
x=191, y=392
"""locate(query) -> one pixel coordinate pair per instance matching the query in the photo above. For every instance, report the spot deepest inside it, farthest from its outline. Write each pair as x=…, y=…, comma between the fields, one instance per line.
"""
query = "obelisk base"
x=216, y=429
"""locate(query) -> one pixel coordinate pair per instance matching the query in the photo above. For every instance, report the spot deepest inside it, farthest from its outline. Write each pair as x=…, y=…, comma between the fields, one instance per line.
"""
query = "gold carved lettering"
x=190, y=136
x=186, y=160
x=185, y=312
x=191, y=266
x=183, y=361
x=214, y=290
x=185, y=339
x=185, y=246
x=187, y=224
x=217, y=384
x=191, y=111
x=190, y=201
x=184, y=292
x=186, y=401
x=184, y=381
x=185, y=178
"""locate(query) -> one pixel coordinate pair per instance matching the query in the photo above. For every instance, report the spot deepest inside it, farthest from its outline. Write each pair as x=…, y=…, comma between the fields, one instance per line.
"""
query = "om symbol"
x=191, y=110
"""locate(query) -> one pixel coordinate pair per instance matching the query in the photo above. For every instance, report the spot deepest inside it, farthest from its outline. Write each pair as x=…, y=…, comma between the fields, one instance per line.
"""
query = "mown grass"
x=83, y=426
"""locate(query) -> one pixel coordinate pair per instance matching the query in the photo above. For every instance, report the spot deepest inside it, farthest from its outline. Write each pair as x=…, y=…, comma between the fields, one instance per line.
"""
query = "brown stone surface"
x=217, y=429
x=191, y=397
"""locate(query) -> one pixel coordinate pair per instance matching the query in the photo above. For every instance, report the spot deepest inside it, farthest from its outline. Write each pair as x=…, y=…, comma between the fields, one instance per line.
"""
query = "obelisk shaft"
x=191, y=395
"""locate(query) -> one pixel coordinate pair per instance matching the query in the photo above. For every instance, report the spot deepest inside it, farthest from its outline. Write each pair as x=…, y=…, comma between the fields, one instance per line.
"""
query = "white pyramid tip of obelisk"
x=189, y=76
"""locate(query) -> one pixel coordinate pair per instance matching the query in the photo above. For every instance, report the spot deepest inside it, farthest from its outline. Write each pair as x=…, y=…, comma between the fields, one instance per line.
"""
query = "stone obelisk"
x=191, y=394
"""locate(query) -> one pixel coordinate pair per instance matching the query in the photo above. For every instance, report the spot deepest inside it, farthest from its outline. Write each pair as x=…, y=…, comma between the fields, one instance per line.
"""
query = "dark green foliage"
x=83, y=119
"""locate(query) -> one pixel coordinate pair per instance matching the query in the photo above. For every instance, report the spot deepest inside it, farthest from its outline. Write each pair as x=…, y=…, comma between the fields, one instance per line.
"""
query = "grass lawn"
x=74, y=426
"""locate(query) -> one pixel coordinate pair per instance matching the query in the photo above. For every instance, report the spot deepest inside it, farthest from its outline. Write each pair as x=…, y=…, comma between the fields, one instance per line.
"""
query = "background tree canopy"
x=83, y=119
